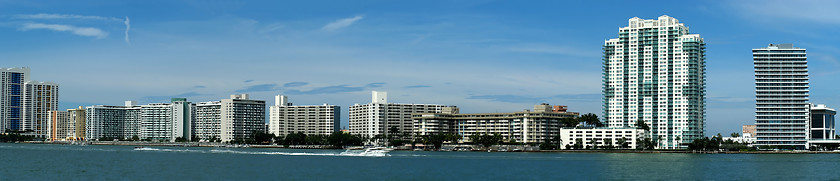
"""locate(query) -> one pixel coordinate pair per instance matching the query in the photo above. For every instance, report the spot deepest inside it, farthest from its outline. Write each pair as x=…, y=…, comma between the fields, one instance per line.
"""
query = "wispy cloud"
x=259, y=88
x=45, y=16
x=295, y=84
x=416, y=86
x=534, y=100
x=511, y=98
x=81, y=31
x=199, y=87
x=64, y=16
x=247, y=81
x=160, y=99
x=127, y=27
x=327, y=90
x=373, y=85
x=335, y=89
x=341, y=23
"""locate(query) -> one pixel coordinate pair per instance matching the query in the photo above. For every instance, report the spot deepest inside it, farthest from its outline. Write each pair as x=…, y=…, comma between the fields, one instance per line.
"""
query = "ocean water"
x=69, y=162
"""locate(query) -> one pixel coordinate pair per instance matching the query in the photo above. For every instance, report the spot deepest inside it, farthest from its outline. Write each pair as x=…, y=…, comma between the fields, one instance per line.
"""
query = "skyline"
x=430, y=52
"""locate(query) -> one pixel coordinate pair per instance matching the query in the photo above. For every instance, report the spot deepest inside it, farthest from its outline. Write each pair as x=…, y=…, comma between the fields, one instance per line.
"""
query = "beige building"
x=77, y=118
x=524, y=127
x=748, y=129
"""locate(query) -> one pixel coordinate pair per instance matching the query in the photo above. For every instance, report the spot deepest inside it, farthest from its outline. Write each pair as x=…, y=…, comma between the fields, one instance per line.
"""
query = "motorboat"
x=370, y=151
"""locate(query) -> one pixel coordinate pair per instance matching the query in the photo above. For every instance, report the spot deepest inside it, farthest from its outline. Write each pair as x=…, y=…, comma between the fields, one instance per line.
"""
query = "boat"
x=370, y=151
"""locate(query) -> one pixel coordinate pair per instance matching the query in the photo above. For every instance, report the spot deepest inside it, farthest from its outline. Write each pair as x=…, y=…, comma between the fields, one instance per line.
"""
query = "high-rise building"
x=309, y=119
x=78, y=119
x=11, y=97
x=156, y=122
x=379, y=116
x=781, y=94
x=208, y=121
x=59, y=127
x=241, y=117
x=39, y=99
x=113, y=122
x=655, y=73
x=183, y=114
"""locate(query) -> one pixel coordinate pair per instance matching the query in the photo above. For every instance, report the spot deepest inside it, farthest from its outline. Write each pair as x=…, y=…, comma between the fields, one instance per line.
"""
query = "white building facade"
x=241, y=117
x=39, y=99
x=600, y=137
x=208, y=121
x=781, y=90
x=377, y=117
x=654, y=73
x=286, y=118
x=113, y=122
x=156, y=123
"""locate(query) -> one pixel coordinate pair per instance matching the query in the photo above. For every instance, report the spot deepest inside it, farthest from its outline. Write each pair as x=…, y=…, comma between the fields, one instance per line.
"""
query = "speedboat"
x=371, y=151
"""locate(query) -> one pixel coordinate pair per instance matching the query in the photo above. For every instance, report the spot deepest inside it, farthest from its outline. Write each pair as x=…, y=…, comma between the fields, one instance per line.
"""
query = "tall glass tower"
x=11, y=97
x=655, y=73
x=781, y=96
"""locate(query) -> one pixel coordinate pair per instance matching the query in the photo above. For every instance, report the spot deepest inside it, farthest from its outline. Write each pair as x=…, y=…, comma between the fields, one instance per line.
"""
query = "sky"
x=482, y=56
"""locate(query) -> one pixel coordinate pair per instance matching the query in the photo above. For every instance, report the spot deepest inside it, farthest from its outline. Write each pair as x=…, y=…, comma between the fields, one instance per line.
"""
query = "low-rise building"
x=626, y=138
x=524, y=127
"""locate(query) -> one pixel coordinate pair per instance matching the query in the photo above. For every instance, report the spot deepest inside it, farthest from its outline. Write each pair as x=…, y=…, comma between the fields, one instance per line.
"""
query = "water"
x=69, y=162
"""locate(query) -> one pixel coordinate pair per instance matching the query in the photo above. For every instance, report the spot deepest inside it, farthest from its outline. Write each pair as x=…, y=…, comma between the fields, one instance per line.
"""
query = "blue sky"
x=483, y=56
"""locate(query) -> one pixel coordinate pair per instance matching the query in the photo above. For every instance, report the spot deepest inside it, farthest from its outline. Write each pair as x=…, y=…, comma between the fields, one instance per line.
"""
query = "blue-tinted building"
x=11, y=97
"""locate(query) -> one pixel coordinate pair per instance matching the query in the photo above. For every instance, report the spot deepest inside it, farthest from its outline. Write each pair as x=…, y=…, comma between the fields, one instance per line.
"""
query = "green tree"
x=735, y=135
x=641, y=125
x=486, y=140
x=591, y=120
x=569, y=122
x=341, y=139
x=135, y=138
x=622, y=143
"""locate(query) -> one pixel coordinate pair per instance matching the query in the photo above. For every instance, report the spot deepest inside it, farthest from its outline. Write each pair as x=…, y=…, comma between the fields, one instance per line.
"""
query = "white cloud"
x=341, y=23
x=64, y=16
x=82, y=31
x=127, y=27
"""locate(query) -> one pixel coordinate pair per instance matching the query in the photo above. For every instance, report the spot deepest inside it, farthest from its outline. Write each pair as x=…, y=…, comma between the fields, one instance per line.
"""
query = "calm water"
x=66, y=162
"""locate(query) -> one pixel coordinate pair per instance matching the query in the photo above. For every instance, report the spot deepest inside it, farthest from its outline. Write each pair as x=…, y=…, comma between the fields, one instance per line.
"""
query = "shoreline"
x=327, y=147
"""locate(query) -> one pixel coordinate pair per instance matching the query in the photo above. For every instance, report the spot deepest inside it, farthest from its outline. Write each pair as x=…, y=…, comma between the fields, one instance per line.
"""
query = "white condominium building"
x=241, y=117
x=310, y=119
x=39, y=99
x=591, y=137
x=781, y=95
x=377, y=117
x=655, y=73
x=183, y=116
x=156, y=123
x=11, y=97
x=113, y=122
x=208, y=121
x=523, y=127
